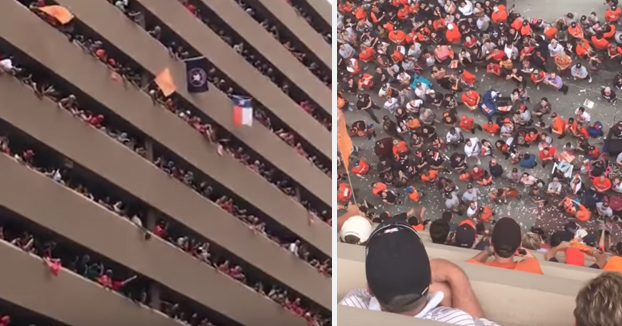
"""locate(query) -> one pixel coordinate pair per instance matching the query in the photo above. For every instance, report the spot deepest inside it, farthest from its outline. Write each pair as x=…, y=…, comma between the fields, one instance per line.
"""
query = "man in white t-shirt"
x=402, y=279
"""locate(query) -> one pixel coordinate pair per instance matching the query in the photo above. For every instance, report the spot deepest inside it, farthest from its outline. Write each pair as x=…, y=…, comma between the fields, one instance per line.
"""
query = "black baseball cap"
x=396, y=263
x=465, y=236
x=506, y=237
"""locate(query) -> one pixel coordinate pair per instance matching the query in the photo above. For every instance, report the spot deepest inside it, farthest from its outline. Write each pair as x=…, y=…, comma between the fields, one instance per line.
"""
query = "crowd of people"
x=45, y=85
x=181, y=51
x=62, y=171
x=304, y=9
x=430, y=136
x=41, y=83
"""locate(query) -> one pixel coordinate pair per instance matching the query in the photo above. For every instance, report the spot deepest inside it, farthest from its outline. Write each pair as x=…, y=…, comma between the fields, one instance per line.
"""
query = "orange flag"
x=344, y=142
x=166, y=83
x=62, y=14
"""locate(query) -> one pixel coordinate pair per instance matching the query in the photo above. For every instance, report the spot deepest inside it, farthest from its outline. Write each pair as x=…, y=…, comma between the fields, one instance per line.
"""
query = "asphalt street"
x=523, y=210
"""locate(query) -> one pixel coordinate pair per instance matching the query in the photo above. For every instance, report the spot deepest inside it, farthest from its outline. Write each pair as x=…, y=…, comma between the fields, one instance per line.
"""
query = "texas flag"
x=242, y=110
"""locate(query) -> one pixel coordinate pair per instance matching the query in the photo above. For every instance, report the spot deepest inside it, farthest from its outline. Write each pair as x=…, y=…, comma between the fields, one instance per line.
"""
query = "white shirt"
x=6, y=64
x=584, y=117
x=467, y=10
x=555, y=50
x=360, y=298
x=452, y=138
x=472, y=150
x=414, y=105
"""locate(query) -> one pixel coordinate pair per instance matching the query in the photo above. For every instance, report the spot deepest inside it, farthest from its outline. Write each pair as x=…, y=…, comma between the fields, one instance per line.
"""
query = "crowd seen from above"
x=384, y=48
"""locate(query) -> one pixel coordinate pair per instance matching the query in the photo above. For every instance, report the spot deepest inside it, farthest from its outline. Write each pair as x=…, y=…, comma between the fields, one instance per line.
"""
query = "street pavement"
x=523, y=210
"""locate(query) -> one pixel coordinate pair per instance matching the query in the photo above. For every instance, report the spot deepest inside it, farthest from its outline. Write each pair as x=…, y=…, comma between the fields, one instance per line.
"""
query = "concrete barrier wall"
x=209, y=44
x=51, y=49
x=93, y=149
x=116, y=28
x=26, y=281
x=305, y=33
x=507, y=297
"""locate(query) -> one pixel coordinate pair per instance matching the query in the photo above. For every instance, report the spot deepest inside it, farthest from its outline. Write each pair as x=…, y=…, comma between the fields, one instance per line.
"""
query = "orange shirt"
x=500, y=16
x=582, y=48
x=603, y=185
x=525, y=30
x=529, y=265
x=611, y=33
x=344, y=193
x=491, y=129
x=558, y=125
x=468, y=77
x=367, y=55
x=430, y=175
x=600, y=43
x=397, y=36
x=614, y=264
x=362, y=167
x=360, y=13
x=486, y=215
x=550, y=32
x=378, y=187
x=612, y=16
x=467, y=124
x=576, y=32
x=517, y=23
x=470, y=97
x=453, y=36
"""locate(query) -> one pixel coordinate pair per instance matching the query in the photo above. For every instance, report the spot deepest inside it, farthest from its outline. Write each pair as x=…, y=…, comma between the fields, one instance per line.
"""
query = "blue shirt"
x=529, y=162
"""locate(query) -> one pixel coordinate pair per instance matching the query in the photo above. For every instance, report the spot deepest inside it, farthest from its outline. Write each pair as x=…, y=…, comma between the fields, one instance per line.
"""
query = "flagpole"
x=349, y=180
x=194, y=58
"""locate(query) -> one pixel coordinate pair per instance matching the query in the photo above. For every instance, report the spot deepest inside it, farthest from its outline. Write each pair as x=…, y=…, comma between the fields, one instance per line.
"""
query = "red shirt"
x=552, y=151
x=159, y=231
x=105, y=280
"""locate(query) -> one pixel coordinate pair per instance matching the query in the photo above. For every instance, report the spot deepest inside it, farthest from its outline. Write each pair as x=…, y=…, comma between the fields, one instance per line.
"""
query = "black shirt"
x=496, y=170
x=435, y=160
x=363, y=101
x=454, y=163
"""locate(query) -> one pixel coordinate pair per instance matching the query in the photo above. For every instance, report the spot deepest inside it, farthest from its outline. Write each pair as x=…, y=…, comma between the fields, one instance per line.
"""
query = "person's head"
x=493, y=162
x=397, y=268
x=532, y=241
x=469, y=188
x=469, y=142
x=599, y=302
x=506, y=237
x=439, y=230
x=355, y=230
x=553, y=75
x=465, y=236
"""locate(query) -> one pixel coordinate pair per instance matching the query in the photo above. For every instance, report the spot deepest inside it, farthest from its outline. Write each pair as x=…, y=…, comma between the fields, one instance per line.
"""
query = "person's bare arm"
x=553, y=251
x=481, y=257
x=462, y=294
x=601, y=258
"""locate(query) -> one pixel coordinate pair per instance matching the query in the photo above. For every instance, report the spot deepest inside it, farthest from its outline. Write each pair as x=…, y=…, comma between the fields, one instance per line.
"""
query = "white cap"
x=357, y=226
x=450, y=27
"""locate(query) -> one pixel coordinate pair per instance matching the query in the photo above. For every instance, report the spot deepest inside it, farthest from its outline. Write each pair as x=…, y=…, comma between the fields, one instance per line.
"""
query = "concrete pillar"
x=151, y=220
x=149, y=149
x=154, y=297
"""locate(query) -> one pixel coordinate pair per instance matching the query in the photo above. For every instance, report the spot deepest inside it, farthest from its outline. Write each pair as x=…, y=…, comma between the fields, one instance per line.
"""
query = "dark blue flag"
x=196, y=75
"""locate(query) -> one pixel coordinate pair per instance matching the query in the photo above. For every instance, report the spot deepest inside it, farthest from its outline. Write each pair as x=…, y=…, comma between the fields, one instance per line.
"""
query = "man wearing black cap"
x=504, y=244
x=465, y=235
x=401, y=279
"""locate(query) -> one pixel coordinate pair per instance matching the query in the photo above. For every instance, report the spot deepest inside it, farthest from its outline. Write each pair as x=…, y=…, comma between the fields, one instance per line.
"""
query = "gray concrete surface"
x=523, y=210
x=550, y=10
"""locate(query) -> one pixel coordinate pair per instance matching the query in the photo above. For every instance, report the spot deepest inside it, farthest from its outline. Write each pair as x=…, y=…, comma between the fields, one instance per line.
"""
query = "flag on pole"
x=166, y=83
x=242, y=110
x=196, y=75
x=344, y=142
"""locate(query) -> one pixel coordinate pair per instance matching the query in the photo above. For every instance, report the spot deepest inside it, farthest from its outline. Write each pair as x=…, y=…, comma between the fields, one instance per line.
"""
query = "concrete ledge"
x=349, y=316
x=507, y=297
